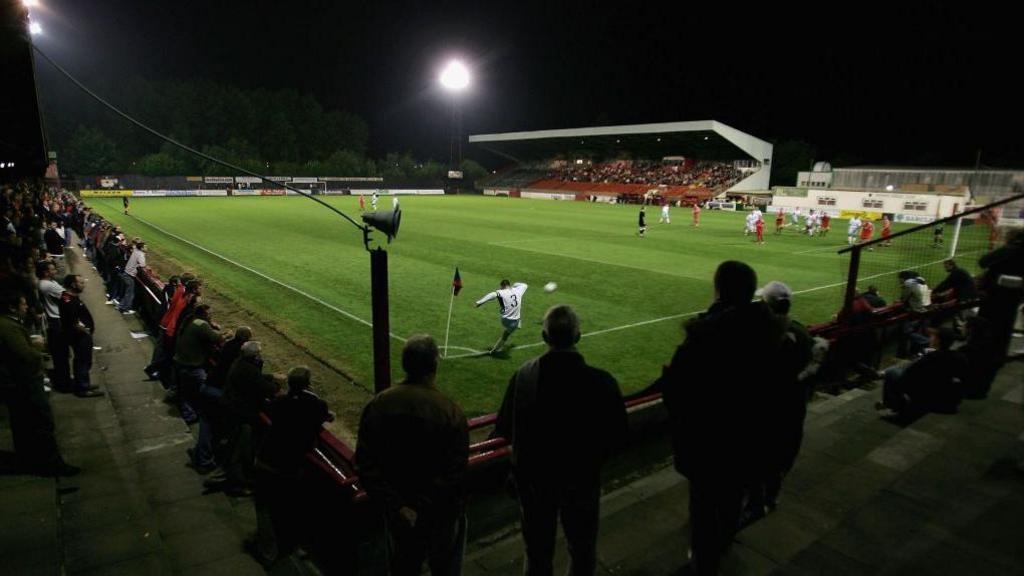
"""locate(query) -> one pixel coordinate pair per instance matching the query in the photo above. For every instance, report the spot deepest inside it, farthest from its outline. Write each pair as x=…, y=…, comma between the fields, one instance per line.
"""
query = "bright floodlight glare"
x=34, y=28
x=455, y=76
x=30, y=3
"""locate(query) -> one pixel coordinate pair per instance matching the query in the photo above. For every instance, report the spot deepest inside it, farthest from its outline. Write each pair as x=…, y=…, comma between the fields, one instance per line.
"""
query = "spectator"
x=21, y=386
x=983, y=358
x=556, y=460
x=78, y=327
x=50, y=293
x=296, y=419
x=411, y=456
x=1002, y=302
x=54, y=241
x=715, y=407
x=931, y=383
x=174, y=299
x=192, y=353
x=246, y=395
x=958, y=284
x=873, y=298
x=916, y=298
x=788, y=406
x=136, y=261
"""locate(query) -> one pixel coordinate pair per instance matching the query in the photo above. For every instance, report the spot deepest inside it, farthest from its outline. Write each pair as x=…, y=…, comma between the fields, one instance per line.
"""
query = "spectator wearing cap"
x=136, y=261
x=931, y=383
x=798, y=361
x=916, y=298
x=246, y=395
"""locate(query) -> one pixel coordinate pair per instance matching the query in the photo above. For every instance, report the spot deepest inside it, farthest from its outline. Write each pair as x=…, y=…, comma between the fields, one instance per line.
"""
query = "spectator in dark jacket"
x=246, y=396
x=715, y=405
x=412, y=454
x=21, y=386
x=78, y=327
x=296, y=421
x=1003, y=298
x=557, y=459
x=931, y=383
x=958, y=284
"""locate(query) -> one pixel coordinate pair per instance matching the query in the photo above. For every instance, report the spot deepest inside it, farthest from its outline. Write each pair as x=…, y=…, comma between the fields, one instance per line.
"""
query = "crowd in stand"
x=710, y=175
x=736, y=428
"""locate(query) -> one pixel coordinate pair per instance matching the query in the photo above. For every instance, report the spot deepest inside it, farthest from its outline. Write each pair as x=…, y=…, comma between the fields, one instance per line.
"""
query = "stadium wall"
x=843, y=203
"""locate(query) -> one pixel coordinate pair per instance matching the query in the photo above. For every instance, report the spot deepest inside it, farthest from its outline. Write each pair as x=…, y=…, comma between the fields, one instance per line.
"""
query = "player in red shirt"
x=780, y=221
x=696, y=214
x=759, y=227
x=826, y=223
x=886, y=230
x=866, y=230
x=362, y=203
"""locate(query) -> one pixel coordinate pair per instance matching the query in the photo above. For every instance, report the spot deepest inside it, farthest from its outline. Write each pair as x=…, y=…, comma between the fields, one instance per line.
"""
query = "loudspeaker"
x=385, y=221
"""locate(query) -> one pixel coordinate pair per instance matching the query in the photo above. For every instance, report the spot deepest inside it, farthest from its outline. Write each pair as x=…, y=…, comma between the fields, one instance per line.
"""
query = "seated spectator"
x=958, y=285
x=931, y=383
x=982, y=356
x=873, y=298
x=412, y=454
x=296, y=421
x=916, y=298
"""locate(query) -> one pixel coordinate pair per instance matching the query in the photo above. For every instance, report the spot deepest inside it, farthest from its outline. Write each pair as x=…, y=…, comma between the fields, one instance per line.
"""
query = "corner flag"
x=456, y=282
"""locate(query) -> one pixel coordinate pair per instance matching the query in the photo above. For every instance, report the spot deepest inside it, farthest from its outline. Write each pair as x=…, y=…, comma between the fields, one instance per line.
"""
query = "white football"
x=550, y=287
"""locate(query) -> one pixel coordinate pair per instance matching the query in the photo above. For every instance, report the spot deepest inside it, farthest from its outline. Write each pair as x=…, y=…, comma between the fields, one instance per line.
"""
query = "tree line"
x=276, y=132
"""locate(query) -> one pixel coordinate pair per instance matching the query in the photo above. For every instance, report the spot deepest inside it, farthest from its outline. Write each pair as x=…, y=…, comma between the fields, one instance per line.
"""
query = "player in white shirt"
x=373, y=202
x=851, y=231
x=751, y=223
x=664, y=214
x=809, y=223
x=795, y=216
x=510, y=307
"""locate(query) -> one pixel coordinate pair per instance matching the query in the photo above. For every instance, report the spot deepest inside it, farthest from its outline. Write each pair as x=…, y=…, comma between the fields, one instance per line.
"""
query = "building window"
x=872, y=203
x=918, y=206
x=826, y=201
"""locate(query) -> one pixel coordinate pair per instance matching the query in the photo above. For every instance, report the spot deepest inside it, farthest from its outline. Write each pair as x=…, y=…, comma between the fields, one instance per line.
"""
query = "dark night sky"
x=882, y=84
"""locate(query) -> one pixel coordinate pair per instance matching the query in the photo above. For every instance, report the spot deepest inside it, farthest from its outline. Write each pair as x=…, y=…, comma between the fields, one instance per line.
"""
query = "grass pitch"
x=304, y=270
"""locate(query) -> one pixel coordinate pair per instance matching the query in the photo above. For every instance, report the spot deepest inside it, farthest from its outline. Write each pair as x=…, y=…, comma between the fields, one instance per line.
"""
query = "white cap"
x=775, y=291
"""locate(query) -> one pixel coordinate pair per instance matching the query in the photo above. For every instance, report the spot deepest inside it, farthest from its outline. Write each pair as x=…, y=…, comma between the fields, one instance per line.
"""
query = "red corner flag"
x=456, y=282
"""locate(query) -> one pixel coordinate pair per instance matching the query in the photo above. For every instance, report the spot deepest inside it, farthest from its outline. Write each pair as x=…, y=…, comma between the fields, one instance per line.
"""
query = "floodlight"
x=455, y=76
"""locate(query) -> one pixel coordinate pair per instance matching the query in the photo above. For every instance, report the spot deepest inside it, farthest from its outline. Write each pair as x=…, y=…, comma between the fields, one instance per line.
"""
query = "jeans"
x=128, y=292
x=57, y=345
x=190, y=380
x=203, y=454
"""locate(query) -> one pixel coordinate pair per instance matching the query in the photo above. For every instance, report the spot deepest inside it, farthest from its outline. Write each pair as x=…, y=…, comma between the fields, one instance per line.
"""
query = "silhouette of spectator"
x=296, y=420
x=716, y=407
x=411, y=456
x=931, y=383
x=557, y=458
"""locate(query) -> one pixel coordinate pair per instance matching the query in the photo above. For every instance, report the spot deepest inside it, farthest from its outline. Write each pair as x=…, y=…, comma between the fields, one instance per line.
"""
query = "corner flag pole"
x=456, y=286
x=449, y=324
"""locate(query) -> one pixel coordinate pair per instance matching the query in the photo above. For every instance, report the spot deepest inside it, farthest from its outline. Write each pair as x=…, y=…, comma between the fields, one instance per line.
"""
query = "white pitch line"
x=820, y=248
x=265, y=277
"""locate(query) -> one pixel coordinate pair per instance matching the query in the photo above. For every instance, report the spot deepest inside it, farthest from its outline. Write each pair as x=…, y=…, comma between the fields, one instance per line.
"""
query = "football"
x=550, y=287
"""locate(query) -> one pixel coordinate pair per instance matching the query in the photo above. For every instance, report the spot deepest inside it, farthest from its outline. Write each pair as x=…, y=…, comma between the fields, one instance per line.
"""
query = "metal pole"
x=851, y=280
x=956, y=237
x=381, y=322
